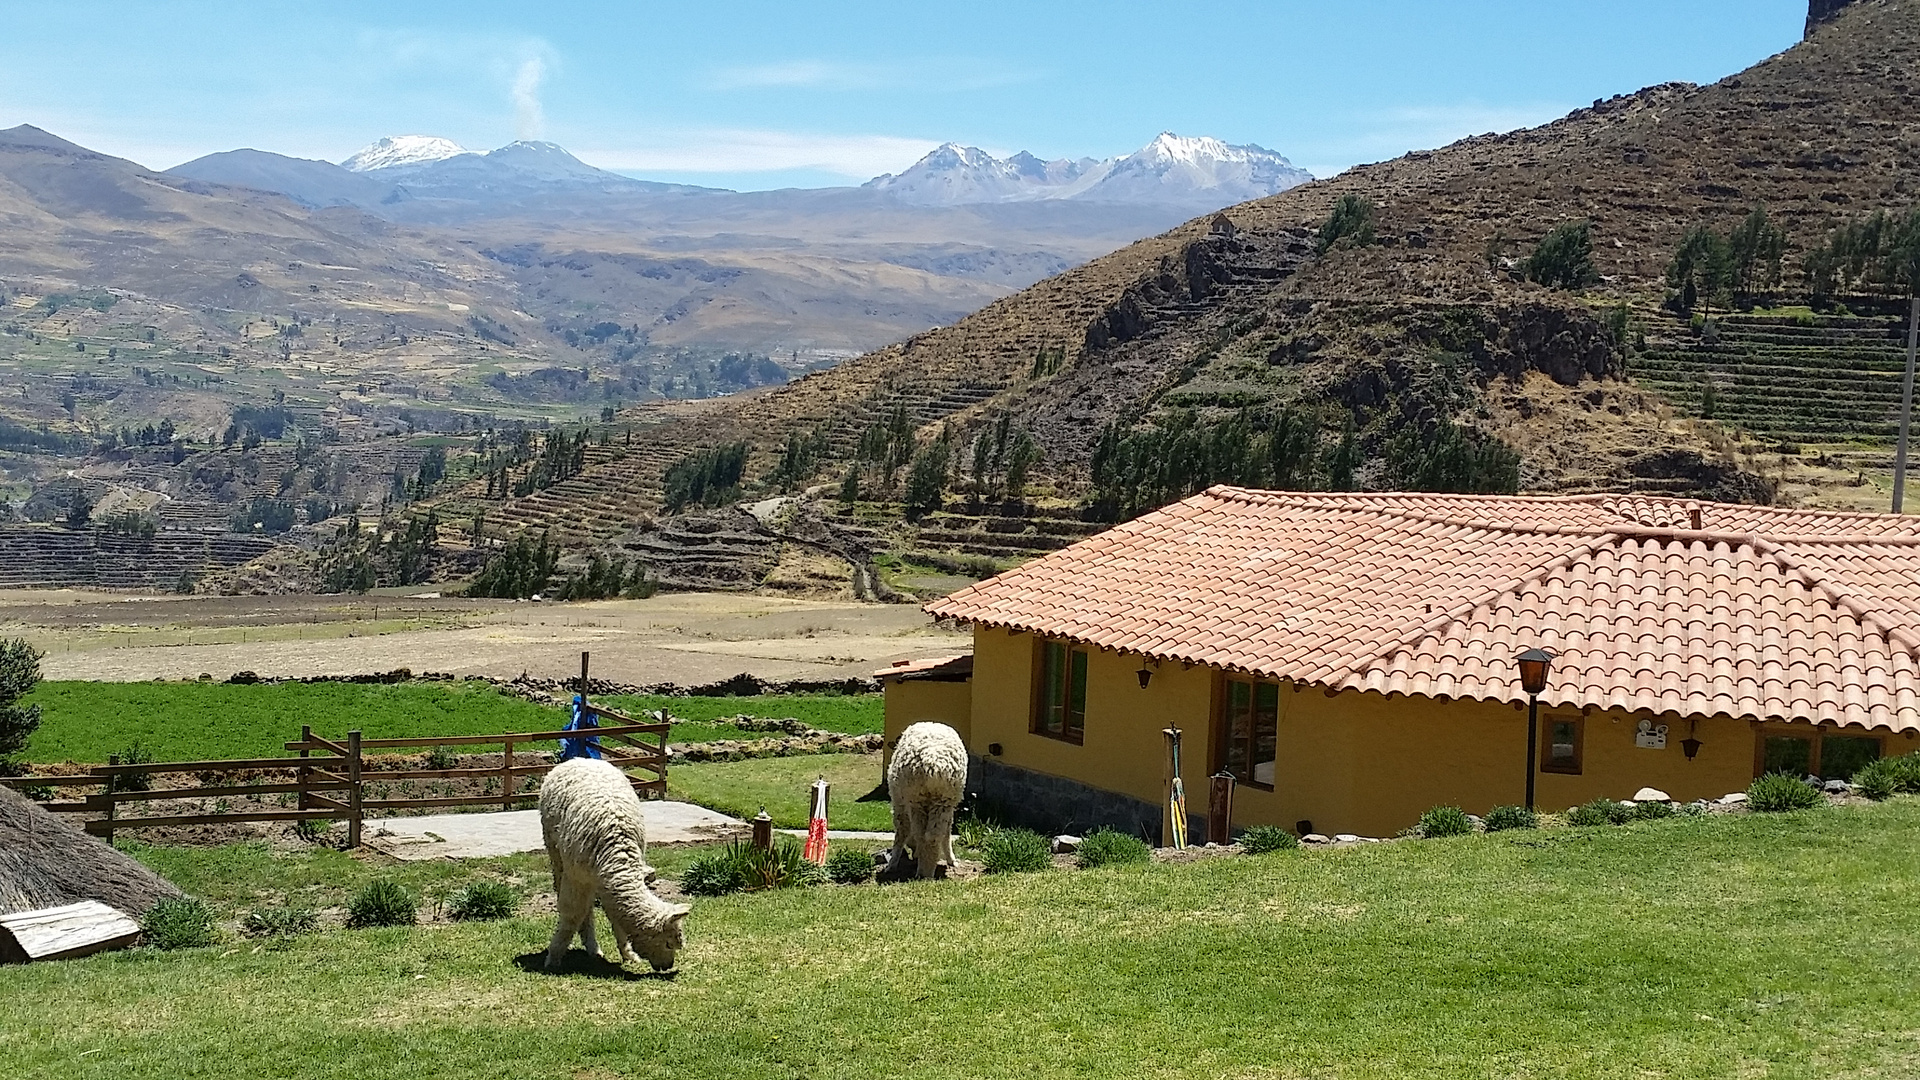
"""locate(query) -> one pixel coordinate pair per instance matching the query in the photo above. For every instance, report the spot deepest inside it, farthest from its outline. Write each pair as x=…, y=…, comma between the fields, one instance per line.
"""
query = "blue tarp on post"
x=584, y=746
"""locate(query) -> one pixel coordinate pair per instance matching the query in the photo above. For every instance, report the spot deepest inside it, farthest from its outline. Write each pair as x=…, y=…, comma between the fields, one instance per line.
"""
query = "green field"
x=781, y=785
x=186, y=721
x=1737, y=946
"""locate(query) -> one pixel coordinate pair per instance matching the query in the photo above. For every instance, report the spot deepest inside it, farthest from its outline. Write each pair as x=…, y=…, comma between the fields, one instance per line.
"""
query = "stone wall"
x=1055, y=804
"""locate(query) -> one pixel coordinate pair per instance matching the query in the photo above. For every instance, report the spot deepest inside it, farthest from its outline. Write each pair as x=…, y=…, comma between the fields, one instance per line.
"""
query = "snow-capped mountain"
x=1188, y=172
x=398, y=151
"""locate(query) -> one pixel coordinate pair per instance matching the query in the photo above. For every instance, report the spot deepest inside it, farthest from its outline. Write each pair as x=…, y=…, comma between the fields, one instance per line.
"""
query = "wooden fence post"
x=763, y=830
x=106, y=795
x=583, y=679
x=353, y=791
x=1220, y=809
x=301, y=776
x=506, y=775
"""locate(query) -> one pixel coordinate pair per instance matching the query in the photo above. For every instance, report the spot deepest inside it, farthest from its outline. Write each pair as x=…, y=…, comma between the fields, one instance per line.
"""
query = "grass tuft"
x=278, y=922
x=382, y=903
x=1502, y=818
x=1017, y=851
x=178, y=922
x=1599, y=812
x=1777, y=793
x=483, y=899
x=1261, y=839
x=1109, y=847
x=849, y=865
x=1445, y=821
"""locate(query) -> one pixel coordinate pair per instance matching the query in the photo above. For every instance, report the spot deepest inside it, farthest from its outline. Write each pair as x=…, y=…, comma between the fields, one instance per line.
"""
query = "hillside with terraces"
x=1433, y=323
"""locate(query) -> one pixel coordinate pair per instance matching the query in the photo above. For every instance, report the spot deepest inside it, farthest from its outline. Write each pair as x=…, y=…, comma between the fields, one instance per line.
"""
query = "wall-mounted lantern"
x=1145, y=673
x=1691, y=745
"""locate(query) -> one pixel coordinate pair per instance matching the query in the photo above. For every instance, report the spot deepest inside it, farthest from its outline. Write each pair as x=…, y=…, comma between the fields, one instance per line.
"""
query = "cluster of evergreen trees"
x=521, y=569
x=1710, y=266
x=1879, y=253
x=705, y=477
x=392, y=553
x=799, y=460
x=606, y=579
x=562, y=456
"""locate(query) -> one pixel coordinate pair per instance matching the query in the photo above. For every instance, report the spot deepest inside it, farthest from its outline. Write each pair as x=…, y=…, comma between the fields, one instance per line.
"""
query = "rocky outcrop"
x=1819, y=11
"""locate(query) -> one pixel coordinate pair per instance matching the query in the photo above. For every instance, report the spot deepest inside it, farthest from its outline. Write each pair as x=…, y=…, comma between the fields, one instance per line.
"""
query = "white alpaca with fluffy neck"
x=926, y=777
x=597, y=842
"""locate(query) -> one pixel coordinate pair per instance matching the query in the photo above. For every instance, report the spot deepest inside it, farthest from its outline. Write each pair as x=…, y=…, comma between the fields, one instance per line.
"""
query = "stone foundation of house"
x=1055, y=804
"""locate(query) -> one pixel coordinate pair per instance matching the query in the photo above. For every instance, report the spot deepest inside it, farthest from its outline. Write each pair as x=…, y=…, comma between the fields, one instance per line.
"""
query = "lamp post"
x=1533, y=679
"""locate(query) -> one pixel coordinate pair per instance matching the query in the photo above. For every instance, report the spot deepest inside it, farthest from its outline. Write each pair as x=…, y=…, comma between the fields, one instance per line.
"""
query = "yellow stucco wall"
x=1352, y=762
x=1124, y=750
x=909, y=701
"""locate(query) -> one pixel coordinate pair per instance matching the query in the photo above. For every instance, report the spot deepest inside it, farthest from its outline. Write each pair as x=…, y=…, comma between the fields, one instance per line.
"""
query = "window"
x=1813, y=752
x=1060, y=711
x=1250, y=731
x=1560, y=753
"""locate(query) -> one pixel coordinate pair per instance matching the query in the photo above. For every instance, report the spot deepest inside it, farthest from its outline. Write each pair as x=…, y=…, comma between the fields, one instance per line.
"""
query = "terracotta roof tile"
x=1759, y=612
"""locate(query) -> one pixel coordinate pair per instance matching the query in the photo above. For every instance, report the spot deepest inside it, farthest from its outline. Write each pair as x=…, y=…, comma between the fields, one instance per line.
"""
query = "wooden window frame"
x=1815, y=734
x=1222, y=701
x=1579, y=722
x=1036, y=721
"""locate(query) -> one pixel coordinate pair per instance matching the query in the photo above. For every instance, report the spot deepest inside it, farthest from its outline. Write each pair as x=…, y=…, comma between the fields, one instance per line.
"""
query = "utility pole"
x=1906, y=408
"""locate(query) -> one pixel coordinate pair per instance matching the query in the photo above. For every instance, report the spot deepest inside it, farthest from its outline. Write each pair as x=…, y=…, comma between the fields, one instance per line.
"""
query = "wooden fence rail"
x=331, y=777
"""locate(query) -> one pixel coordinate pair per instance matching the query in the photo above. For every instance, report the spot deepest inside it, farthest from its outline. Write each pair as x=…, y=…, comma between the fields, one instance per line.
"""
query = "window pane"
x=1563, y=744
x=1843, y=755
x=1077, y=695
x=1239, y=727
x=1055, y=684
x=1788, y=754
x=1266, y=731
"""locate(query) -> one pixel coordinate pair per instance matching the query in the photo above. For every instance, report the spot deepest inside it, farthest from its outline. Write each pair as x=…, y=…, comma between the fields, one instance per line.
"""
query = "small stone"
x=1733, y=798
x=1346, y=838
x=1065, y=844
x=1476, y=819
x=1651, y=794
x=1314, y=838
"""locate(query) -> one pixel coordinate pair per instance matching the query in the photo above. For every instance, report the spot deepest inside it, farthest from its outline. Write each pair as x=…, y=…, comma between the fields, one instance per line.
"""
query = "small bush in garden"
x=482, y=900
x=1445, y=821
x=279, y=922
x=313, y=830
x=382, y=903
x=1888, y=777
x=178, y=922
x=713, y=873
x=1502, y=818
x=442, y=758
x=136, y=753
x=1107, y=847
x=1261, y=839
x=849, y=865
x=974, y=832
x=1017, y=851
x=1777, y=792
x=1650, y=811
x=1599, y=812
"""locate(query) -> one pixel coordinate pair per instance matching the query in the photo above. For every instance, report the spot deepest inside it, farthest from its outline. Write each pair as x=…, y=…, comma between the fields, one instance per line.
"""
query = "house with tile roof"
x=1349, y=658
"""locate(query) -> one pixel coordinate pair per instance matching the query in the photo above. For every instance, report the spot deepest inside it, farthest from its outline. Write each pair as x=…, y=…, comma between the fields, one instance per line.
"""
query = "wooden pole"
x=306, y=736
x=763, y=830
x=506, y=776
x=1906, y=408
x=1220, y=809
x=1173, y=825
x=354, y=815
x=583, y=678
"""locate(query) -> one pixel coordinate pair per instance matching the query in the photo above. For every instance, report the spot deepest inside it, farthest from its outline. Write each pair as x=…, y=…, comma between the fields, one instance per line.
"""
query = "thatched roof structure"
x=46, y=862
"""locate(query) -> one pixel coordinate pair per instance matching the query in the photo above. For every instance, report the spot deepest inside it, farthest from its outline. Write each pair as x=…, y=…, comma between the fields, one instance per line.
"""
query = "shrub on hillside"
x=1502, y=818
x=1777, y=792
x=1261, y=839
x=1564, y=257
x=1017, y=851
x=1108, y=847
x=849, y=865
x=279, y=922
x=1350, y=224
x=178, y=922
x=1599, y=812
x=482, y=900
x=382, y=903
x=1445, y=821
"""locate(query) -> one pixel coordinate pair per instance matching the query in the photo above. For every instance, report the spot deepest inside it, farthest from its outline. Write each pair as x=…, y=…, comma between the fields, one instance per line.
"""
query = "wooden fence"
x=330, y=777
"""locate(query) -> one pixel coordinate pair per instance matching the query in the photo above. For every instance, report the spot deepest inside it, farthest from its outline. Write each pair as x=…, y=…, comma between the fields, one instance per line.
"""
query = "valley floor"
x=684, y=638
x=1719, y=946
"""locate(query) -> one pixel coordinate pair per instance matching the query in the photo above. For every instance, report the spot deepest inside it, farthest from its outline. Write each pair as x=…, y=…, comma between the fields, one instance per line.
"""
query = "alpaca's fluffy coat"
x=597, y=843
x=927, y=778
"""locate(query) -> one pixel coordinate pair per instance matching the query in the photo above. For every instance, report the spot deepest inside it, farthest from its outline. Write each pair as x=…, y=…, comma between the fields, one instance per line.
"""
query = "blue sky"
x=756, y=95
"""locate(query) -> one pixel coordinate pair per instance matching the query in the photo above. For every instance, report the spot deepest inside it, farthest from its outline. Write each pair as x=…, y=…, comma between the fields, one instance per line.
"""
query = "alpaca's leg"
x=940, y=822
x=902, y=817
x=588, y=940
x=926, y=849
x=574, y=904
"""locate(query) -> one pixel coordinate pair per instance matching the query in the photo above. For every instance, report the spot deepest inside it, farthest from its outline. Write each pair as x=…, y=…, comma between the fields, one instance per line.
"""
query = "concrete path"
x=508, y=832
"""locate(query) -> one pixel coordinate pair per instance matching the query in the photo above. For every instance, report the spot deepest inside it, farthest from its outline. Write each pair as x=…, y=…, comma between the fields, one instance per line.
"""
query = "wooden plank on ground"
x=67, y=931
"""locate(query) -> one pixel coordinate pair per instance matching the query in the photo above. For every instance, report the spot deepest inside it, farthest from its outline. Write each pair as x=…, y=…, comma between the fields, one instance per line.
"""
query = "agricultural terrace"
x=1737, y=944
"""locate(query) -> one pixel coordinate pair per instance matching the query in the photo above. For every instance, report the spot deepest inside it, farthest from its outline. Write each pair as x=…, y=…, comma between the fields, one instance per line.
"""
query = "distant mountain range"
x=1185, y=176
x=1172, y=170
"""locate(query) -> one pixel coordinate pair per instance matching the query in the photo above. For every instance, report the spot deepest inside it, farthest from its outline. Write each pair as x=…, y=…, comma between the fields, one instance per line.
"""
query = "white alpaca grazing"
x=926, y=778
x=597, y=843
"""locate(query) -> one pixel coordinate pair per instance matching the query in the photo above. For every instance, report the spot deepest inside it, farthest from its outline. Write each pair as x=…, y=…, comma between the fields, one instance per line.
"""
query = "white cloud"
x=727, y=150
x=1379, y=136
x=529, y=122
x=938, y=75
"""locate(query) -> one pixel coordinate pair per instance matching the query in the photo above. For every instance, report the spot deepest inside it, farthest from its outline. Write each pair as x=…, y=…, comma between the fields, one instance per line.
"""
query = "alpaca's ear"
x=678, y=912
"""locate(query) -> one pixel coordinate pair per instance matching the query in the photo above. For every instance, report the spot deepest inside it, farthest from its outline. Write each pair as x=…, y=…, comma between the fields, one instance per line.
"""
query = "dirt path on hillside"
x=684, y=638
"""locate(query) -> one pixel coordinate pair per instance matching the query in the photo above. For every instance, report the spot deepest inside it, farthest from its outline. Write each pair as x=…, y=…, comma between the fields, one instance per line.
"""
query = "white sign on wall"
x=1649, y=736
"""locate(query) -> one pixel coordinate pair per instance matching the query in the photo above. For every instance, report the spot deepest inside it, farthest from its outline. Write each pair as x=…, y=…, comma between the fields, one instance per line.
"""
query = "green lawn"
x=1720, y=947
x=741, y=788
x=189, y=721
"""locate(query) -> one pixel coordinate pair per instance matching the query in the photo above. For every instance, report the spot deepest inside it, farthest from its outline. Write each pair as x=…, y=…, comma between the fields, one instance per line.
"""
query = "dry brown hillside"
x=1237, y=313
